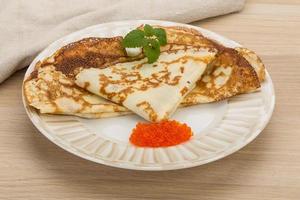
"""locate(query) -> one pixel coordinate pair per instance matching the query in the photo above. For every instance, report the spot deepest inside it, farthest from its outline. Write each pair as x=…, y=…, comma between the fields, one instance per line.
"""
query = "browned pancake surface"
x=231, y=74
x=102, y=52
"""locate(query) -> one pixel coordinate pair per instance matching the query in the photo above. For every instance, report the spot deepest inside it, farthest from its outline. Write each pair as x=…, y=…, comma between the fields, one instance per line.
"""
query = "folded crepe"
x=230, y=74
x=152, y=91
x=50, y=87
x=101, y=52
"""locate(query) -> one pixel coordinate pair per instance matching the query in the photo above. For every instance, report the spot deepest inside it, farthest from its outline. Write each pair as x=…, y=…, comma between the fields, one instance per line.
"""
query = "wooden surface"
x=31, y=167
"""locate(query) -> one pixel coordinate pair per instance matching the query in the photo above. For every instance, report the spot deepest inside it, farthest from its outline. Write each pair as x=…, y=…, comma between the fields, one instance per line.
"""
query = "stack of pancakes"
x=94, y=77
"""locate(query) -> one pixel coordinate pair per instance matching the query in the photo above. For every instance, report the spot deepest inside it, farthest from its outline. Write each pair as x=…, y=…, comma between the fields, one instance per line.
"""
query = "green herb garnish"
x=150, y=39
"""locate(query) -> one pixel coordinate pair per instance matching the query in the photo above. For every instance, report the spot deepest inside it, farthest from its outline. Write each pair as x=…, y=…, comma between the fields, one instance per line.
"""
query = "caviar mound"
x=160, y=134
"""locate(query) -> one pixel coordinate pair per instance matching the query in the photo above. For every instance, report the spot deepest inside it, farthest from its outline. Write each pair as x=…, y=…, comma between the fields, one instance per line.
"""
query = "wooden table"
x=31, y=167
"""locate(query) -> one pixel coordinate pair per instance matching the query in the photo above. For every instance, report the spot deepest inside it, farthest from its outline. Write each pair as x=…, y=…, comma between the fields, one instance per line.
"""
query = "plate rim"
x=218, y=155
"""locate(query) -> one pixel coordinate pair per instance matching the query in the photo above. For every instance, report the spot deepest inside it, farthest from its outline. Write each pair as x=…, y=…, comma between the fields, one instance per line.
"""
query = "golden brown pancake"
x=101, y=52
x=152, y=91
x=231, y=74
x=53, y=92
x=50, y=87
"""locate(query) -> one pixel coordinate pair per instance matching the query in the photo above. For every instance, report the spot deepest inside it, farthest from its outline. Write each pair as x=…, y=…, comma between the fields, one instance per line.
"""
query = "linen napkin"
x=26, y=27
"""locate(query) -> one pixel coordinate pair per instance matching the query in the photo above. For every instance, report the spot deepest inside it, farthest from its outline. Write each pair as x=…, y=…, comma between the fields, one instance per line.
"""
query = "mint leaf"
x=134, y=38
x=150, y=39
x=149, y=31
x=161, y=35
x=152, y=50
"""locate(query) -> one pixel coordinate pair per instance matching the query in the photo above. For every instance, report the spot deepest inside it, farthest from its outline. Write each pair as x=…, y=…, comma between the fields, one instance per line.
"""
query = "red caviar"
x=160, y=134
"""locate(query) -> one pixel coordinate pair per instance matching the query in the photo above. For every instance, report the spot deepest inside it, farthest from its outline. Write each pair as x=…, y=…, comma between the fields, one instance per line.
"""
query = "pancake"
x=231, y=74
x=188, y=36
x=152, y=91
x=50, y=87
x=93, y=52
x=52, y=92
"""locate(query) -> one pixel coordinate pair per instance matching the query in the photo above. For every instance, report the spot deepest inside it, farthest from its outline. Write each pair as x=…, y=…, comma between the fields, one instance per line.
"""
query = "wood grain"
x=31, y=167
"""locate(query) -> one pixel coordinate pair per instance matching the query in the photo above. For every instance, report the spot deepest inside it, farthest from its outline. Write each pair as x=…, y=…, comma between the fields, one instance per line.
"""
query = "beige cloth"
x=28, y=26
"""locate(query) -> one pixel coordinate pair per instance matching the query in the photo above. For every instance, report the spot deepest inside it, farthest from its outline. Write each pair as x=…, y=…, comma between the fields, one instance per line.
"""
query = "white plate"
x=219, y=128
